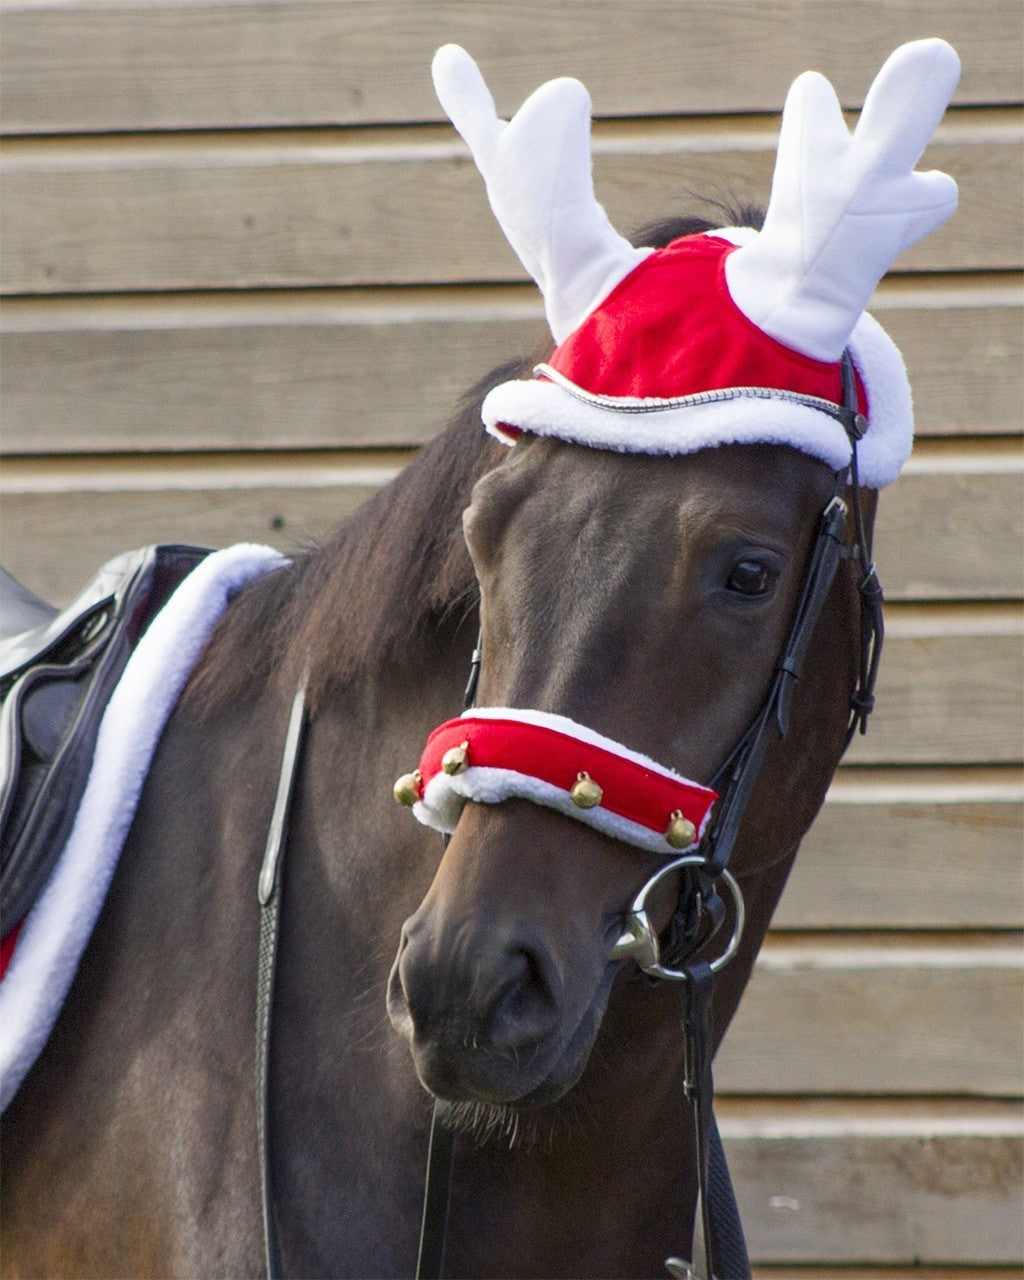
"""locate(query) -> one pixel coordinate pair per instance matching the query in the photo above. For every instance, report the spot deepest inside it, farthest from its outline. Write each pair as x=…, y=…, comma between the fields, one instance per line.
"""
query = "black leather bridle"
x=718, y=1247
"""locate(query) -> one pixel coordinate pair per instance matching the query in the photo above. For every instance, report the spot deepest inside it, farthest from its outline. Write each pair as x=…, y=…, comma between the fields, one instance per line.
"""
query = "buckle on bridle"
x=640, y=942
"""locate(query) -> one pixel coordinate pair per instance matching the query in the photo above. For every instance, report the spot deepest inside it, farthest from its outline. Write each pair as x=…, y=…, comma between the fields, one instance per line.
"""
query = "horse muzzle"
x=481, y=1008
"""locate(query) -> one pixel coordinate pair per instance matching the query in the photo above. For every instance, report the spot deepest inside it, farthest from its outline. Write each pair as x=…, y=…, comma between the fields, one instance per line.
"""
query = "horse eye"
x=751, y=578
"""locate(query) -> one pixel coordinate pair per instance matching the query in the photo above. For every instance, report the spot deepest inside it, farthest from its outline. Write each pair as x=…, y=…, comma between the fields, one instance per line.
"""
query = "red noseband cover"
x=542, y=757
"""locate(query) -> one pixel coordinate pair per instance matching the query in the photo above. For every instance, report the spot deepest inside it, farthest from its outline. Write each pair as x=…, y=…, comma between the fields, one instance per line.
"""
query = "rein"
x=718, y=1244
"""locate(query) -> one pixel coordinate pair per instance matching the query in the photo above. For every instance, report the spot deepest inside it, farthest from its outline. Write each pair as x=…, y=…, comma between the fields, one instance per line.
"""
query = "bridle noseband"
x=719, y=1249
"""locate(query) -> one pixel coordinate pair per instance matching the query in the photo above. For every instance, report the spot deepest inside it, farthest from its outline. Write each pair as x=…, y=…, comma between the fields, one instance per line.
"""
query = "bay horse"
x=615, y=590
x=648, y=597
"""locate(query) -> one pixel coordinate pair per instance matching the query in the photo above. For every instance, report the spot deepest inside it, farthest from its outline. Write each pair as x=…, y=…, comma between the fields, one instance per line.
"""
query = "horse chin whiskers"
x=519, y=1127
x=489, y=1123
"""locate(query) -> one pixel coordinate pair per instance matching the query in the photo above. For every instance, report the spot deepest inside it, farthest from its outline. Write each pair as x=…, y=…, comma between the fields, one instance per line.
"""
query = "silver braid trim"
x=652, y=404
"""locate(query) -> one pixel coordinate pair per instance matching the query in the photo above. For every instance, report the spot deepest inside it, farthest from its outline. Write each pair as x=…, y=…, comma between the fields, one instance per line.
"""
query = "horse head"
x=648, y=599
x=645, y=554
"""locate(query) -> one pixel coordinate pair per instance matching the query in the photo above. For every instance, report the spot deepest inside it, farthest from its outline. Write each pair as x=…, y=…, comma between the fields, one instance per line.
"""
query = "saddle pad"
x=55, y=682
x=50, y=941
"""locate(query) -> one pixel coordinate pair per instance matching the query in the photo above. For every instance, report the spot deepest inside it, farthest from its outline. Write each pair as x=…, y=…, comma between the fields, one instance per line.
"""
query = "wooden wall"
x=247, y=270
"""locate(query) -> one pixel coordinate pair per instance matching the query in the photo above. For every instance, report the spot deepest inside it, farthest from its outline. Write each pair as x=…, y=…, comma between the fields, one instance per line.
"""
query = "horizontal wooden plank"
x=942, y=328
x=63, y=534
x=896, y=1017
x=879, y=1189
x=951, y=528
x=768, y=1271
x=402, y=206
x=316, y=369
x=95, y=66
x=949, y=689
x=322, y=368
x=911, y=852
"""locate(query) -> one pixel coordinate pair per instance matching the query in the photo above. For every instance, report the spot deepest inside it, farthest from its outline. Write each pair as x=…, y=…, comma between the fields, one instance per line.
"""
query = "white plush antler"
x=843, y=207
x=538, y=176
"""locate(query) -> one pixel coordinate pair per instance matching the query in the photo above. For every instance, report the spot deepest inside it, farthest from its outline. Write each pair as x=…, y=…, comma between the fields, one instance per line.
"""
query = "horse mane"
x=374, y=587
x=397, y=569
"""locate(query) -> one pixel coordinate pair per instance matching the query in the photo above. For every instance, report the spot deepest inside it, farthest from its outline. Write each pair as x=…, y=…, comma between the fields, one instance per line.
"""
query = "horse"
x=648, y=597
x=136, y=1125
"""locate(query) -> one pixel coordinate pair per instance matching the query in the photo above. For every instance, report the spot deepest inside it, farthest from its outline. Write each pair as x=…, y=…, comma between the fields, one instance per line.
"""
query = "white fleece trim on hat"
x=544, y=408
x=445, y=795
x=58, y=927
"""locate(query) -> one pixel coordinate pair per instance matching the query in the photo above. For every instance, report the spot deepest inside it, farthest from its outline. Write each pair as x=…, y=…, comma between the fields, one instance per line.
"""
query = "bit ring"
x=639, y=942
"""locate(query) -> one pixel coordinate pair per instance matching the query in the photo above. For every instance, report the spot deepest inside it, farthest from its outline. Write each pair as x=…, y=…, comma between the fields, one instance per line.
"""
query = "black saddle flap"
x=56, y=678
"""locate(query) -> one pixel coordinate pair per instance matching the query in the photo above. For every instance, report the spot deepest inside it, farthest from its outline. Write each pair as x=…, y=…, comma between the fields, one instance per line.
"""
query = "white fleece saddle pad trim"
x=56, y=930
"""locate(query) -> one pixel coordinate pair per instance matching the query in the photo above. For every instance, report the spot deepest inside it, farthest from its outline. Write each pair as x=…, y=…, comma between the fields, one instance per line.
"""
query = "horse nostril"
x=525, y=1004
x=406, y=970
x=398, y=990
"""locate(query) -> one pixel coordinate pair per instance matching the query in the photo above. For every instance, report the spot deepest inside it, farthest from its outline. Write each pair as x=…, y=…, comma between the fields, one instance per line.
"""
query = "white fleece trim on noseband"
x=58, y=927
x=445, y=796
x=544, y=408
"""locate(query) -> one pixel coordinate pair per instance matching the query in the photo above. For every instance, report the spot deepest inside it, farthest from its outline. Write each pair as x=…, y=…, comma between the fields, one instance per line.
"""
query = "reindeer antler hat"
x=735, y=335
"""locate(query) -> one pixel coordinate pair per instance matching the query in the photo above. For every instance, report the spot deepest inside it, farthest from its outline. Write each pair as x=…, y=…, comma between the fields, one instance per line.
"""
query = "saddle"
x=57, y=672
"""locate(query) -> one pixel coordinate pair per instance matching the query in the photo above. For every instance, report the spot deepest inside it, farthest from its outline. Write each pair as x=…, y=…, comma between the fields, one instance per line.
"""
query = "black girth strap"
x=269, y=893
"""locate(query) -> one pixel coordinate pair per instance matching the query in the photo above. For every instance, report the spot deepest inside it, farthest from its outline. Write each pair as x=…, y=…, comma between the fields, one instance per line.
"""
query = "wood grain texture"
x=771, y=1271
x=949, y=689
x=917, y=852
x=260, y=371
x=951, y=529
x=298, y=369
x=334, y=208
x=879, y=1189
x=890, y=1018
x=60, y=533
x=98, y=67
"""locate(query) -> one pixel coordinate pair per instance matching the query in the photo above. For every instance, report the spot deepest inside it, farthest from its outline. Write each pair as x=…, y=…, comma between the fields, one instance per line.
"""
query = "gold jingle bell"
x=455, y=759
x=680, y=831
x=585, y=793
x=407, y=788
